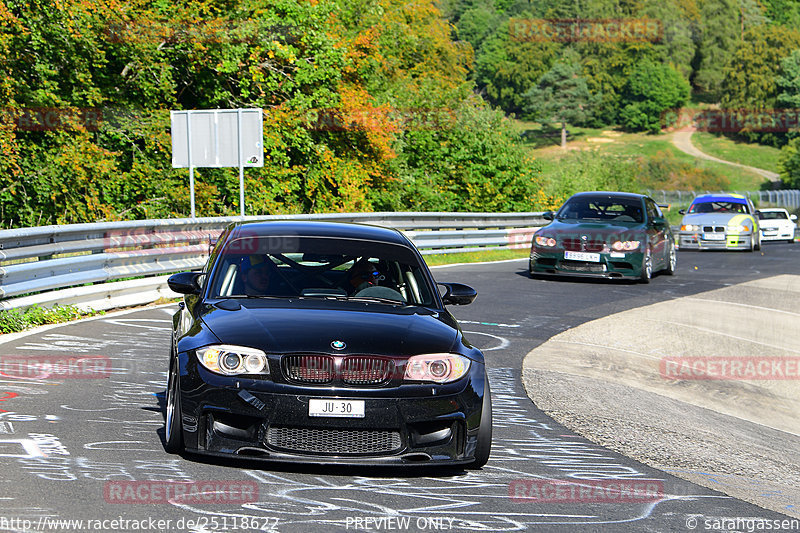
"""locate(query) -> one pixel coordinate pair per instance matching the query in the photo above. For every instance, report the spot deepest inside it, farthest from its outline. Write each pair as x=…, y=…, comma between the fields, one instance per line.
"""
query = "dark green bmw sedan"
x=604, y=234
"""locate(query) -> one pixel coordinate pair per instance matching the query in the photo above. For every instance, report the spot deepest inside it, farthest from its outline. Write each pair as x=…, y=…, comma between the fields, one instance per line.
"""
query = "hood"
x=593, y=230
x=715, y=219
x=311, y=326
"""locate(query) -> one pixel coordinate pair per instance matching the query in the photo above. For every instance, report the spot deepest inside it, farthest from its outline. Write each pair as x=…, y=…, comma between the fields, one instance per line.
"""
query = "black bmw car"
x=324, y=342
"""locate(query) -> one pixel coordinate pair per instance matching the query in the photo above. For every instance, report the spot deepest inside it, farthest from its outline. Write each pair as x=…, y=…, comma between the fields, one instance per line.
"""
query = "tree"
x=561, y=95
x=788, y=81
x=789, y=164
x=750, y=84
x=509, y=64
x=720, y=31
x=652, y=89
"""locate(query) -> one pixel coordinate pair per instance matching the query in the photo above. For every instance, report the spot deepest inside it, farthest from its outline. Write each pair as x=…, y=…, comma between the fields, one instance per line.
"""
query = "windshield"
x=602, y=208
x=773, y=215
x=318, y=267
x=717, y=207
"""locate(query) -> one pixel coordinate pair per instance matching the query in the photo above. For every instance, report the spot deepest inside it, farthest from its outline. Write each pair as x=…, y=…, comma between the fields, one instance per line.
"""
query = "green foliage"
x=591, y=171
x=788, y=81
x=13, y=320
x=346, y=85
x=561, y=95
x=750, y=82
x=508, y=66
x=789, y=164
x=652, y=89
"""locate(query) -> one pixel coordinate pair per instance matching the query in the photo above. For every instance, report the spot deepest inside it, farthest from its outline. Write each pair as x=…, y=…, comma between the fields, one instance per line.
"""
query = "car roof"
x=721, y=197
x=609, y=194
x=773, y=209
x=305, y=228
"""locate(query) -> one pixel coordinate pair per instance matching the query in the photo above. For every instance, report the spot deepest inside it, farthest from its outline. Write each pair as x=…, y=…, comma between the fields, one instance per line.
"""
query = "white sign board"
x=217, y=138
x=213, y=138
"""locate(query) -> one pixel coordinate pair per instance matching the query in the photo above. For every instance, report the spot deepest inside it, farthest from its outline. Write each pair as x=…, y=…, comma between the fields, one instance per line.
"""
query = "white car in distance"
x=776, y=224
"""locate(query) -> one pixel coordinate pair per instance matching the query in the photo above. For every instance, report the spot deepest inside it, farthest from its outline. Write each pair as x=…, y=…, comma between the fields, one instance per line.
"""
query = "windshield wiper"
x=374, y=299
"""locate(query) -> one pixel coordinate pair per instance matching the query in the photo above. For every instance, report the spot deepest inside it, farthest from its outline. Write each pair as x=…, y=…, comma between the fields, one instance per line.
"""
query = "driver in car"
x=256, y=275
x=363, y=274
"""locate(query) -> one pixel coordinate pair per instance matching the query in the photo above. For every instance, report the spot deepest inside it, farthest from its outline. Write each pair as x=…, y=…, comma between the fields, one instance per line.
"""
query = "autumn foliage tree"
x=361, y=101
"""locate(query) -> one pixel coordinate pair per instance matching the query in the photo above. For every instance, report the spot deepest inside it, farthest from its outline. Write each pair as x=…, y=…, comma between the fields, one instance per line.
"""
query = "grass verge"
x=475, y=257
x=753, y=155
x=14, y=320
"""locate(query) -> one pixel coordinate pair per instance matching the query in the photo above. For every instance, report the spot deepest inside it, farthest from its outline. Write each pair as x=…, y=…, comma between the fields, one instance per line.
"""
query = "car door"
x=657, y=233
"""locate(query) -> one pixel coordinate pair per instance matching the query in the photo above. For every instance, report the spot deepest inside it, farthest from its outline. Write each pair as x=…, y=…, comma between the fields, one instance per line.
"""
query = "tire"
x=484, y=446
x=672, y=261
x=173, y=430
x=758, y=244
x=647, y=267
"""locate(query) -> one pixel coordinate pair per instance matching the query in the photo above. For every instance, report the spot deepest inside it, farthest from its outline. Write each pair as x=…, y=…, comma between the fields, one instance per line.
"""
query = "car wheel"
x=173, y=432
x=672, y=260
x=758, y=243
x=484, y=446
x=647, y=267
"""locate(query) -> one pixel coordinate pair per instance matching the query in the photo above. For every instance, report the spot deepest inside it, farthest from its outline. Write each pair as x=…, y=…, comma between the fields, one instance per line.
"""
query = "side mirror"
x=682, y=211
x=185, y=282
x=792, y=217
x=659, y=221
x=458, y=294
x=548, y=215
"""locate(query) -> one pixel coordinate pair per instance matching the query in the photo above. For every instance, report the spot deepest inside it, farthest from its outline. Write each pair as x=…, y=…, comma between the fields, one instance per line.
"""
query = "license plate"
x=336, y=408
x=714, y=236
x=582, y=256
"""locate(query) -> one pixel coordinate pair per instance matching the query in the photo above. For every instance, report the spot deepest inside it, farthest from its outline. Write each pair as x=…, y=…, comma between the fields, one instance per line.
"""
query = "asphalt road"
x=92, y=449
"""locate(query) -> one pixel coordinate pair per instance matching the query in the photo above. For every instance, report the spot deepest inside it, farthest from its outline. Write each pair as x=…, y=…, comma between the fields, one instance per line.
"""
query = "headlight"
x=739, y=228
x=545, y=241
x=625, y=246
x=690, y=227
x=437, y=367
x=233, y=360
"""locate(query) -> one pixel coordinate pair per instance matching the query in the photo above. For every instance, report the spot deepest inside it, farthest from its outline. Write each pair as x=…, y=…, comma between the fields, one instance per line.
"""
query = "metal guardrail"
x=787, y=198
x=81, y=264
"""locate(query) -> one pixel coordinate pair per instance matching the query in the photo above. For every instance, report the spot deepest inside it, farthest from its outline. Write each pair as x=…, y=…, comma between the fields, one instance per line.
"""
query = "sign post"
x=217, y=138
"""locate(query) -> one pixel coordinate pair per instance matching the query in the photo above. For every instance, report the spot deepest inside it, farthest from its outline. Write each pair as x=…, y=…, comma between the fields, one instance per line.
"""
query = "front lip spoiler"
x=596, y=275
x=412, y=459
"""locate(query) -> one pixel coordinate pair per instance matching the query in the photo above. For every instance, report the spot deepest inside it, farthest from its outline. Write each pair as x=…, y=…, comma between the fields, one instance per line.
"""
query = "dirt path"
x=683, y=141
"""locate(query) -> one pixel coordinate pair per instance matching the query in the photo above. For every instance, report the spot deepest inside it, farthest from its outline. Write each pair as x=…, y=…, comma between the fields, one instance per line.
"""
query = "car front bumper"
x=725, y=241
x=608, y=265
x=258, y=419
x=777, y=234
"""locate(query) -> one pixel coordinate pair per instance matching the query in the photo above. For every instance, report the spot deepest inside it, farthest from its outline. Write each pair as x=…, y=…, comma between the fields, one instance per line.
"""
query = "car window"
x=602, y=208
x=773, y=215
x=318, y=267
x=652, y=210
x=720, y=206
